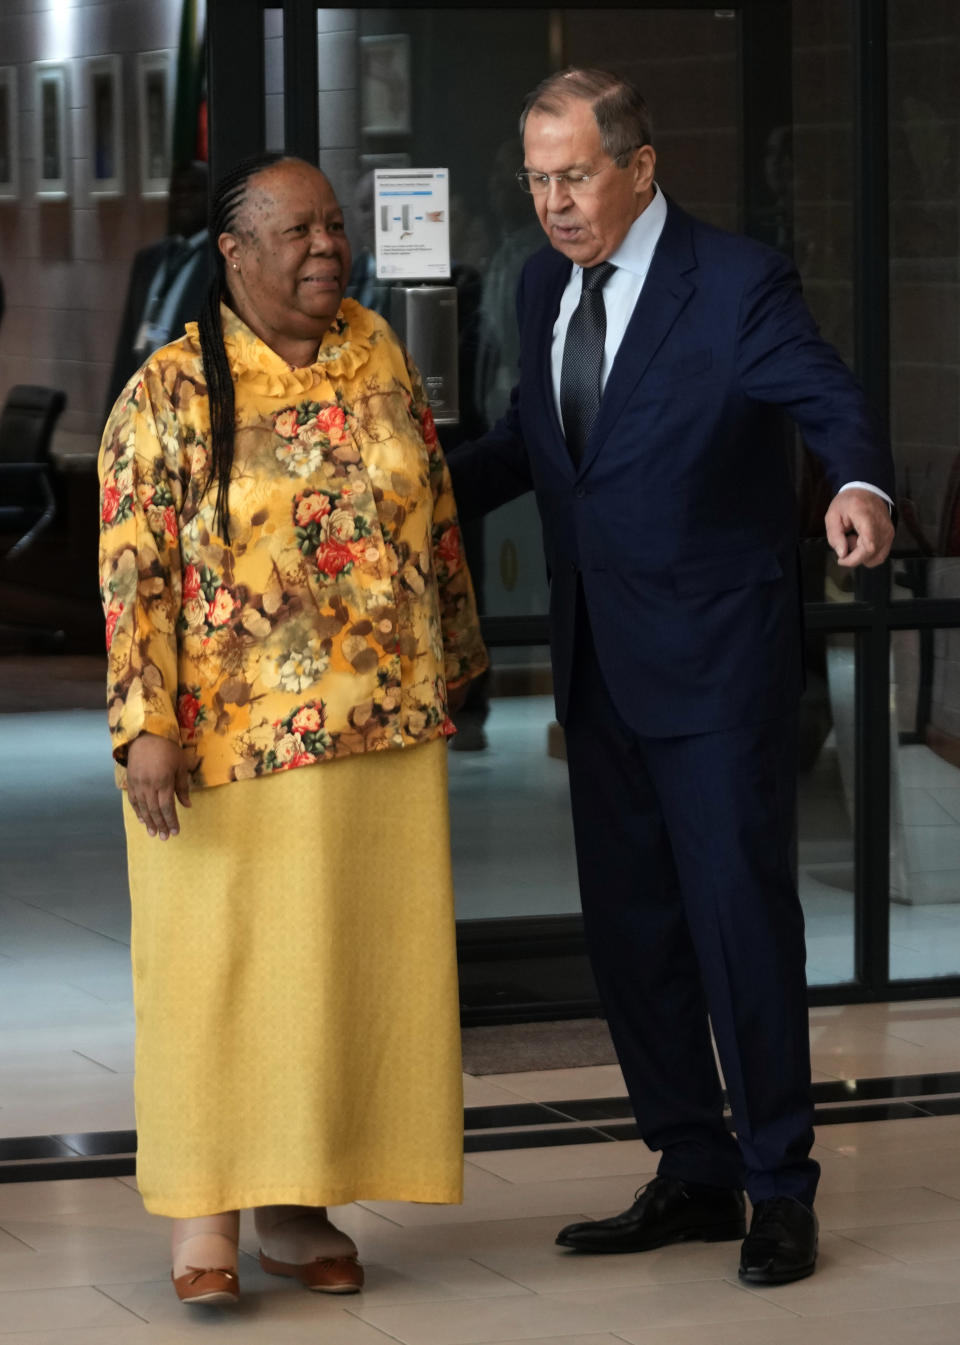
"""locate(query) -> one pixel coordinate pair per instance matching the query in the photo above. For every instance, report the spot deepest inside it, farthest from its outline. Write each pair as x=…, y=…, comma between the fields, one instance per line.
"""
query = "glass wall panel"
x=510, y=816
x=808, y=172
x=809, y=167
x=395, y=91
x=812, y=165
x=925, y=804
x=510, y=821
x=924, y=102
x=826, y=784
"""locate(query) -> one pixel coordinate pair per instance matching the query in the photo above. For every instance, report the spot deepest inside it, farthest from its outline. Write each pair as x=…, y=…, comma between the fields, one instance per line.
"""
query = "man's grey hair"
x=618, y=106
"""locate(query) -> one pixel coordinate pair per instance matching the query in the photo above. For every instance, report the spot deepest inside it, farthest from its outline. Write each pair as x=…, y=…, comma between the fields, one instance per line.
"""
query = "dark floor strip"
x=530, y=1139
x=99, y=1143
x=936, y=1106
x=521, y=1125
x=524, y=1114
x=67, y=1169
x=593, y=1108
x=34, y=1146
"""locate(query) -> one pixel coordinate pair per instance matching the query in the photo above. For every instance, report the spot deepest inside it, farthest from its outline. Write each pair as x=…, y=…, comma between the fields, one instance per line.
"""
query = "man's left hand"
x=867, y=517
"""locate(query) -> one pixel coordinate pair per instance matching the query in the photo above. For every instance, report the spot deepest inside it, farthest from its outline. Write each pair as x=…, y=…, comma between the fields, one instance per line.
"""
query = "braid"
x=227, y=200
x=219, y=381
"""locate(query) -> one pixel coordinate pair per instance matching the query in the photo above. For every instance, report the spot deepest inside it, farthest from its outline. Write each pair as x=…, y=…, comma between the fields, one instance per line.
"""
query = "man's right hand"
x=157, y=776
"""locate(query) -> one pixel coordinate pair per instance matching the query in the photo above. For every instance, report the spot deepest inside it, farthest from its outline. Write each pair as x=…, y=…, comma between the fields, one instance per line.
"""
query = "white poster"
x=412, y=216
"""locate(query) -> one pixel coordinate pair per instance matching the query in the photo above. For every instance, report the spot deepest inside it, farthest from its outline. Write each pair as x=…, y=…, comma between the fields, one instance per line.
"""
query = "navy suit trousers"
x=684, y=851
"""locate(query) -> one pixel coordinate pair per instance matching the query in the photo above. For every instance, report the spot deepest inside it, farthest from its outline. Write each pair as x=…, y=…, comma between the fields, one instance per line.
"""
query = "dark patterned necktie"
x=583, y=359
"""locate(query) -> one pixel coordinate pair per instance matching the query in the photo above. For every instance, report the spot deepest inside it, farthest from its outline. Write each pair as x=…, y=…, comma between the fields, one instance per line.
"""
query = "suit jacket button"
x=579, y=492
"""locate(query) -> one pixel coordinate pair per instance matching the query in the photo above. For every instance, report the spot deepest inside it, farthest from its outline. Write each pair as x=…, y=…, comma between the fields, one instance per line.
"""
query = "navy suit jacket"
x=680, y=522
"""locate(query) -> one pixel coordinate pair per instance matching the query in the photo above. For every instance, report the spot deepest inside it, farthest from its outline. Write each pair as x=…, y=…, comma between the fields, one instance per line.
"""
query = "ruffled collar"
x=343, y=351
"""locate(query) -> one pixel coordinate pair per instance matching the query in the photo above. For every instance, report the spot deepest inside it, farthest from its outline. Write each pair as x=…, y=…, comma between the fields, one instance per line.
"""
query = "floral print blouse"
x=340, y=611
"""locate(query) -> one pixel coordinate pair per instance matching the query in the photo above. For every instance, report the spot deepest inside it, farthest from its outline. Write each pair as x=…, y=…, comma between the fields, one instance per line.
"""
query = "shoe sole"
x=219, y=1296
x=764, y=1277
x=721, y=1233
x=319, y=1288
x=279, y=1268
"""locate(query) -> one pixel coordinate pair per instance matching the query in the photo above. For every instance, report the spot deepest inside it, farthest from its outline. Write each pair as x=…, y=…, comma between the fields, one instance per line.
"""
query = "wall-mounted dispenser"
x=425, y=319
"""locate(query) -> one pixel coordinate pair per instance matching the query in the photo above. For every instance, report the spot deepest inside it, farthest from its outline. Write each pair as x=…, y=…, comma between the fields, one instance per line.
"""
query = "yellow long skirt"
x=295, y=987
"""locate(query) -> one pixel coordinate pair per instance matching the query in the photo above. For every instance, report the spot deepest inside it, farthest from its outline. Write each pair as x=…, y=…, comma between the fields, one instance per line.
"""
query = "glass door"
x=753, y=112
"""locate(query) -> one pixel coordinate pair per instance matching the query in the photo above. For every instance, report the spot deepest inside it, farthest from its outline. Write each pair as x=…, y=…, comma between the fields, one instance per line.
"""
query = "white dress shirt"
x=620, y=294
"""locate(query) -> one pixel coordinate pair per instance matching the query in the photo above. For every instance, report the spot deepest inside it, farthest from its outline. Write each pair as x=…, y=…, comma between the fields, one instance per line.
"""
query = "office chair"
x=27, y=504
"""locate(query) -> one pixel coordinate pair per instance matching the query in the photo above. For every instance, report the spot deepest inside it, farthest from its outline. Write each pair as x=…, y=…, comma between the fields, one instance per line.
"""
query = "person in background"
x=289, y=618
x=168, y=280
x=362, y=283
x=656, y=354
x=518, y=236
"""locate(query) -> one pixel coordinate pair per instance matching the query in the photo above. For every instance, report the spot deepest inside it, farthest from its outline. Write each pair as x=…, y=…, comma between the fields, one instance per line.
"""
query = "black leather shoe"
x=782, y=1243
x=664, y=1211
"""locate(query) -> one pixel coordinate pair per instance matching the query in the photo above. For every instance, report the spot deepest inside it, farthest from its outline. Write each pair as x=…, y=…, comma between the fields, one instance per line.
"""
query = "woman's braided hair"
x=228, y=198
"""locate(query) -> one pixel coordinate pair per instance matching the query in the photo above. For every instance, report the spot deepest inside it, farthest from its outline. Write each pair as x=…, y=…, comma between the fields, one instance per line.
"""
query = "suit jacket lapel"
x=665, y=293
x=542, y=344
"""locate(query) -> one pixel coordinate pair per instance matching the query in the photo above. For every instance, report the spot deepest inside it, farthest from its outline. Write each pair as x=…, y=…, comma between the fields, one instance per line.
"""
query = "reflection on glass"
x=156, y=99
x=924, y=47
x=925, y=805
x=825, y=807
x=510, y=817
x=809, y=211
x=510, y=811
x=924, y=52
x=385, y=83
x=50, y=167
x=65, y=986
x=924, y=577
x=105, y=150
x=6, y=140
x=814, y=166
x=381, y=104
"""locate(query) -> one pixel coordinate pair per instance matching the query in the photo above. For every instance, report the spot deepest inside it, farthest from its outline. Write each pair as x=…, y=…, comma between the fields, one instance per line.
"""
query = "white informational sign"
x=412, y=216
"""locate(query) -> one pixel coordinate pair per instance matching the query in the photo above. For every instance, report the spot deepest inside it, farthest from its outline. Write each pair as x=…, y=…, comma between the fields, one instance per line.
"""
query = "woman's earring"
x=236, y=267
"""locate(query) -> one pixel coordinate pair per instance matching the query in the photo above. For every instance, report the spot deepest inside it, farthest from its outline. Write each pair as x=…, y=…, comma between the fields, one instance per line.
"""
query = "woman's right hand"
x=157, y=776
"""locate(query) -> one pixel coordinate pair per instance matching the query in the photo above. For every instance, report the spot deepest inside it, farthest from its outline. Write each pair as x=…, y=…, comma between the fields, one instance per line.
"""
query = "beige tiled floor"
x=82, y=1264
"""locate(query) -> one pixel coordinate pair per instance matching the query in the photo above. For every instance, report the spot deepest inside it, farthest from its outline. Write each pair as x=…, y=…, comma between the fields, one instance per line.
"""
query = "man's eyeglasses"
x=538, y=184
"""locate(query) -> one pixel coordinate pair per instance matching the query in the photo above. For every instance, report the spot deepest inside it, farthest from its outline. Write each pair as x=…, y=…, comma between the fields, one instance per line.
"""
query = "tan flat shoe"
x=325, y=1275
x=211, y=1285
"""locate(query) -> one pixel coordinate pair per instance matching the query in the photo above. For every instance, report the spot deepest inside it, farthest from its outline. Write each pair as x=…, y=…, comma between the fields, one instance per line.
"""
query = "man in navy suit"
x=669, y=523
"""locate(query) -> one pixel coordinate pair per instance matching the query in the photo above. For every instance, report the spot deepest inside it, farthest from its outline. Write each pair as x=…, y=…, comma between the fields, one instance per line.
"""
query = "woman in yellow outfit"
x=288, y=618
